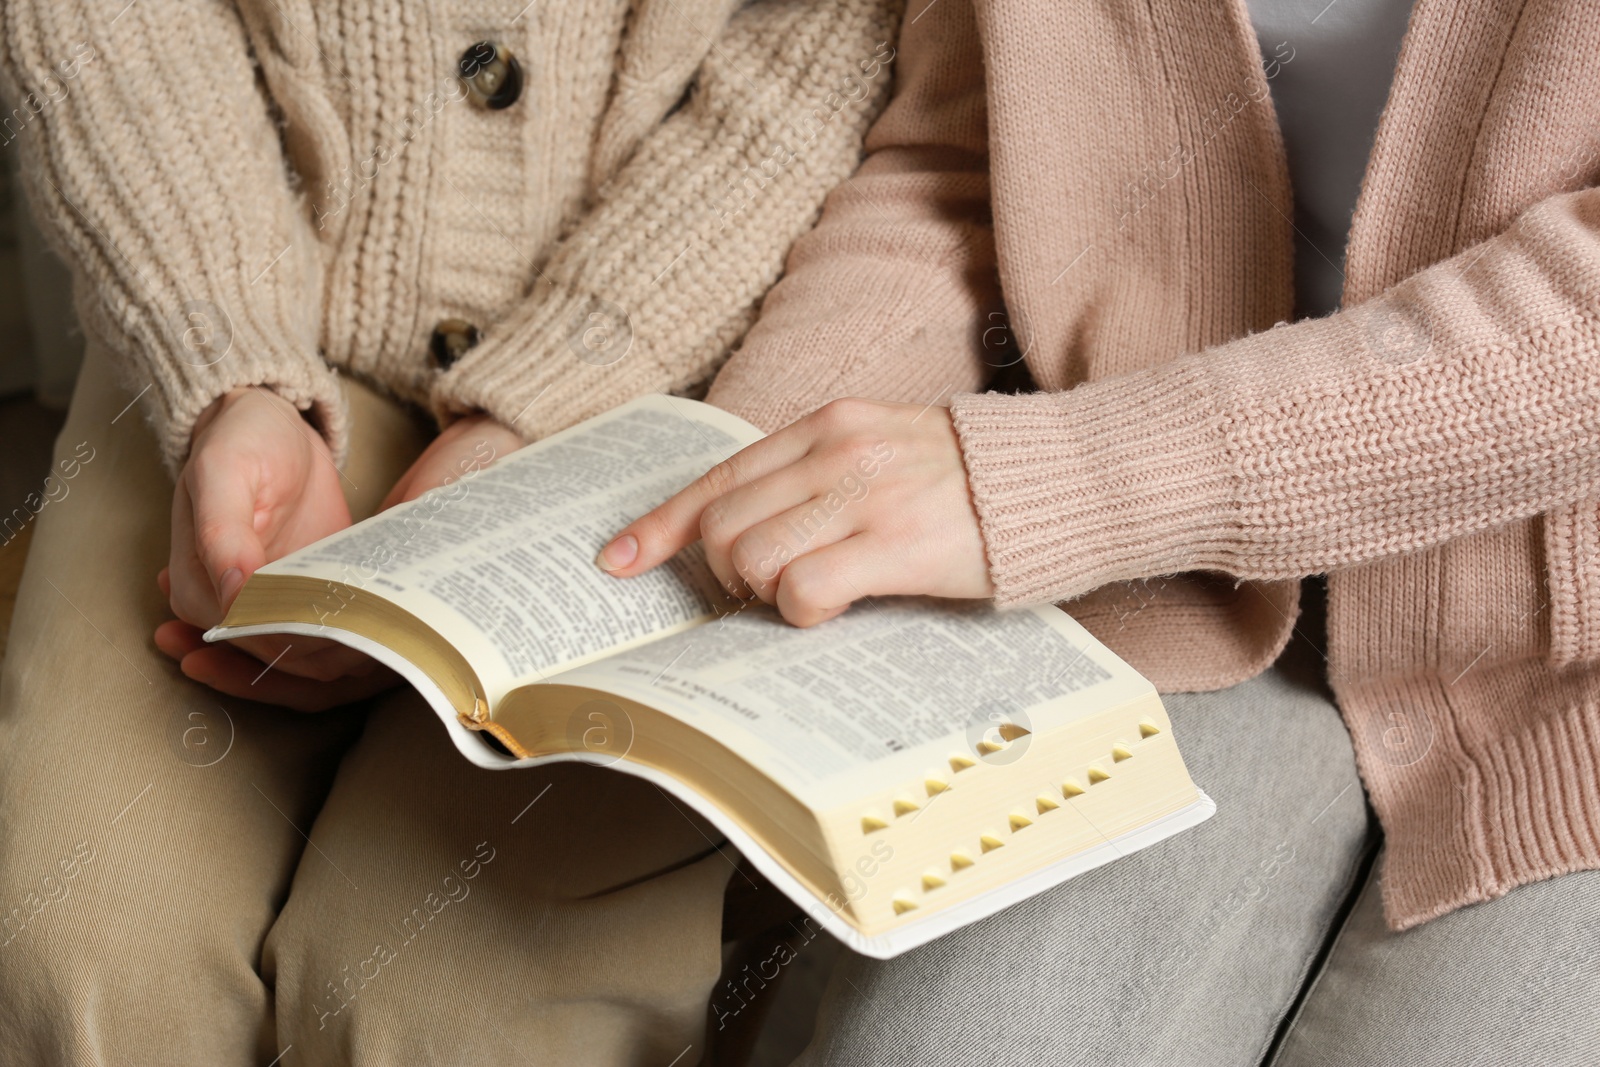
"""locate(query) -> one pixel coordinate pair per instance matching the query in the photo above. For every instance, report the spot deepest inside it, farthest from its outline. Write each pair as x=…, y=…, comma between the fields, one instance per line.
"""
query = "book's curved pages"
x=900, y=771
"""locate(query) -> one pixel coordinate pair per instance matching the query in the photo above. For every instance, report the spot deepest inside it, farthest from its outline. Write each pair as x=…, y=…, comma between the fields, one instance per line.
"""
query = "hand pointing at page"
x=859, y=498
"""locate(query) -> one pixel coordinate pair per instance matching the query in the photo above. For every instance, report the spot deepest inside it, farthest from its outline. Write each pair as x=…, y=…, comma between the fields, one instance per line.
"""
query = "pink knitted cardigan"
x=1116, y=170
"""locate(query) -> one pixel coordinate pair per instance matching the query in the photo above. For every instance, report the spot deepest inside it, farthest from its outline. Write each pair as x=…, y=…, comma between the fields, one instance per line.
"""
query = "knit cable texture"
x=253, y=194
x=665, y=275
x=157, y=171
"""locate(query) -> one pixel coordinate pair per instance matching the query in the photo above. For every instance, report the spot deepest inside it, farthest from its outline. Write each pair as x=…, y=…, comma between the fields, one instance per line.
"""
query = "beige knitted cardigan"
x=1435, y=447
x=253, y=192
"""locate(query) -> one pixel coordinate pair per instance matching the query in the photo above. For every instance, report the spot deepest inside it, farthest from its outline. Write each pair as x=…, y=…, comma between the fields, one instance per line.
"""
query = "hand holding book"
x=470, y=443
x=858, y=499
x=258, y=485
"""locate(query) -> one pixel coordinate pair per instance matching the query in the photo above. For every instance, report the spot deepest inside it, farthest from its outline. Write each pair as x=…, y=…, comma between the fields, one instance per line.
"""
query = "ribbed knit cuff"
x=1117, y=479
x=177, y=368
x=563, y=357
x=180, y=391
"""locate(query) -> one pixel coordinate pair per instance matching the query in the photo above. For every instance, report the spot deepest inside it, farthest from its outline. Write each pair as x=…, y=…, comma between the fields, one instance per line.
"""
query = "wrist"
x=232, y=397
x=480, y=423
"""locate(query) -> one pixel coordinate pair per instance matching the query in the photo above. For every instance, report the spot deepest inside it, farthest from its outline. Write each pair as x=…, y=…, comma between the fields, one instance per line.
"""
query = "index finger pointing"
x=658, y=535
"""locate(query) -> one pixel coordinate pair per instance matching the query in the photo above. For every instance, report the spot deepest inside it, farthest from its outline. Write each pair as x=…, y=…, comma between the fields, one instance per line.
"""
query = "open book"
x=900, y=771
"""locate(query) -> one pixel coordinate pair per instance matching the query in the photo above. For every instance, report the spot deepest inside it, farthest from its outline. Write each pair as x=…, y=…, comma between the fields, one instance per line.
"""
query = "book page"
x=890, y=681
x=501, y=562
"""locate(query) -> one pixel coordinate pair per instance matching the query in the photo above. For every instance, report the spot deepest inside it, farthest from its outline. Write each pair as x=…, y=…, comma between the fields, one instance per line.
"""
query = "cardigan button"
x=450, y=341
x=492, y=75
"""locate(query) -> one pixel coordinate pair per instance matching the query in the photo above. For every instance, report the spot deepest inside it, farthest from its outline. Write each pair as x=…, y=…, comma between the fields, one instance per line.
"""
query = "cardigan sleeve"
x=1465, y=397
x=154, y=163
x=663, y=276
x=895, y=293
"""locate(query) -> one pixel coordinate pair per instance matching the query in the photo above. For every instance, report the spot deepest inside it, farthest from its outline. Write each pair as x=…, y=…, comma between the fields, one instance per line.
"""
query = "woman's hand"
x=468, y=444
x=858, y=499
x=259, y=483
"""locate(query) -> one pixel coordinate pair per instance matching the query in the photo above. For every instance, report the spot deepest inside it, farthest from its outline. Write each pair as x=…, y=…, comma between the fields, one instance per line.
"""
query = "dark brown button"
x=492, y=75
x=450, y=341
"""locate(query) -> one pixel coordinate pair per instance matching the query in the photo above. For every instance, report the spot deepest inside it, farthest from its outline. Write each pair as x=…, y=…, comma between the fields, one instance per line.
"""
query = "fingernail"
x=232, y=579
x=618, y=554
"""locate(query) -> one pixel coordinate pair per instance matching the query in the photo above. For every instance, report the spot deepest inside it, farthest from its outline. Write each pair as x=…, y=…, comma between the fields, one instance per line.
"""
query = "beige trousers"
x=186, y=878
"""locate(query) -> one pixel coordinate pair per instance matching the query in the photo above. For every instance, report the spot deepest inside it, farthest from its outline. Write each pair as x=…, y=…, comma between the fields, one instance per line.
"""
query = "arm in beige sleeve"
x=1463, y=398
x=152, y=158
x=664, y=275
x=889, y=297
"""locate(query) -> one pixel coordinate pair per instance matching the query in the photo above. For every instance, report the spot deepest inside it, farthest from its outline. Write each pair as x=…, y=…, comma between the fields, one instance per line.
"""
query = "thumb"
x=226, y=541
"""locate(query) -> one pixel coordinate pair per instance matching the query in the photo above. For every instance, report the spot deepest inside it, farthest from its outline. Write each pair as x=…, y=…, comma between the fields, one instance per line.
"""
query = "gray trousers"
x=1213, y=948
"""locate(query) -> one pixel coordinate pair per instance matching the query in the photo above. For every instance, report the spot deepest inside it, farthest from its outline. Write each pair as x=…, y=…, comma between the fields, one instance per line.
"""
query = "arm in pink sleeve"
x=887, y=298
x=1466, y=397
